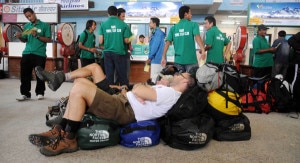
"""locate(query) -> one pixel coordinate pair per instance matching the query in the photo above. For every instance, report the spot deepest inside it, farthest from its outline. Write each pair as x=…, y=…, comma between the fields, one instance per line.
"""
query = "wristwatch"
x=37, y=37
x=123, y=88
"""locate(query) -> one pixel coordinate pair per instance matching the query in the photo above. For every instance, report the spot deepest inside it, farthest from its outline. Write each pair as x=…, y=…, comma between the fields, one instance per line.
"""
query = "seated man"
x=144, y=102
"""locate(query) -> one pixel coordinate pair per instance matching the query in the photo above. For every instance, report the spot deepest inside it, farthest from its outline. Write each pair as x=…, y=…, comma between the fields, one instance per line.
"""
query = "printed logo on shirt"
x=220, y=37
x=113, y=29
x=182, y=33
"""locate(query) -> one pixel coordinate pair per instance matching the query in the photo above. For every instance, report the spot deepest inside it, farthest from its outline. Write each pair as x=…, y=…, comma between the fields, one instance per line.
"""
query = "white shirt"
x=166, y=98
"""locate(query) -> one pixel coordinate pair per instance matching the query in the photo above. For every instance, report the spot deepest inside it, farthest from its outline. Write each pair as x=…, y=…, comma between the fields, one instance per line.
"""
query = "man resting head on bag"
x=143, y=102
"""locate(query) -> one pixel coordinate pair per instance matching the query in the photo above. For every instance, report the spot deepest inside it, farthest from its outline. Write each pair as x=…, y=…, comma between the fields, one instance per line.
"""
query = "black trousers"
x=28, y=63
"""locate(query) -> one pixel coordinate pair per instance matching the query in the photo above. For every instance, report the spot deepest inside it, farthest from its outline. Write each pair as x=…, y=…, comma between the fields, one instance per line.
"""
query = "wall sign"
x=13, y=13
x=140, y=12
x=274, y=14
x=71, y=4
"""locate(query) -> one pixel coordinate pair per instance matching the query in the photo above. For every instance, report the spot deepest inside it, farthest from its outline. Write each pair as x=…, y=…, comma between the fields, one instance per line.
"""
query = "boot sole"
x=40, y=140
x=38, y=74
x=46, y=152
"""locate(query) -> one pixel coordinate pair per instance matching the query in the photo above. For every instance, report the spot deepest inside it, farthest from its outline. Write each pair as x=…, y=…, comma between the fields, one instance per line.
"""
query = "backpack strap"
x=225, y=95
x=85, y=37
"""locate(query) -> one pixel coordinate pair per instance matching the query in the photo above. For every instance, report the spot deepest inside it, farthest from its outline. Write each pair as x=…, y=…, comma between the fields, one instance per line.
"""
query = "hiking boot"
x=45, y=137
x=56, y=120
x=66, y=143
x=54, y=79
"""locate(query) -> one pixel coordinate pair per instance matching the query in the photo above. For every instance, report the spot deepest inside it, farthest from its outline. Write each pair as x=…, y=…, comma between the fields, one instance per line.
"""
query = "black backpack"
x=192, y=102
x=185, y=126
x=282, y=97
x=76, y=47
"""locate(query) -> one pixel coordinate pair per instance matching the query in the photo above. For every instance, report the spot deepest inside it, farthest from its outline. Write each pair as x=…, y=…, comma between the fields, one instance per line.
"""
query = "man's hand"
x=163, y=62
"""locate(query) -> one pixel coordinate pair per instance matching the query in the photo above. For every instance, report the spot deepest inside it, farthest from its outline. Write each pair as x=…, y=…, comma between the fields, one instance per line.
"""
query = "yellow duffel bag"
x=219, y=102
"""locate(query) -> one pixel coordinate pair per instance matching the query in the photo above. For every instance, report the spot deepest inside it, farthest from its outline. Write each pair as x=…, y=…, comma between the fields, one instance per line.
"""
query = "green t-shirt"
x=262, y=59
x=217, y=40
x=34, y=45
x=182, y=35
x=90, y=43
x=114, y=31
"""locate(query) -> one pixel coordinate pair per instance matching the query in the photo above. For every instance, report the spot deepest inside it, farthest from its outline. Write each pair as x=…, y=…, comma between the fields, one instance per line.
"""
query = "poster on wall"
x=140, y=12
x=274, y=14
x=13, y=13
x=140, y=53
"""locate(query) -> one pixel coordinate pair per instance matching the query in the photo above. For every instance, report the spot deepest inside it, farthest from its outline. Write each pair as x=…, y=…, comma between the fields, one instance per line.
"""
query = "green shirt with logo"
x=182, y=35
x=34, y=45
x=88, y=41
x=262, y=59
x=114, y=31
x=217, y=40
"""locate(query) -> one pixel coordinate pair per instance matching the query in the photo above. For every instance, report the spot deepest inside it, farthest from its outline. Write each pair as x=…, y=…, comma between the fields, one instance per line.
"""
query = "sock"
x=68, y=76
x=72, y=127
x=63, y=123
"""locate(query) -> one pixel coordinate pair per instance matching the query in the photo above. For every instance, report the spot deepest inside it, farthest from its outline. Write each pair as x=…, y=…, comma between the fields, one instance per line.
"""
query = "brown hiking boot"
x=66, y=143
x=45, y=138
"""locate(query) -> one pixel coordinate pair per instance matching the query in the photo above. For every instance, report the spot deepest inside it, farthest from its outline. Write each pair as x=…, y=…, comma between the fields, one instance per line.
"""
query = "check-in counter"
x=139, y=56
x=54, y=59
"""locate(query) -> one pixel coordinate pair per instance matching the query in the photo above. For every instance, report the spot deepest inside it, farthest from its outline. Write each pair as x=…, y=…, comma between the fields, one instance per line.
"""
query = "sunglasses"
x=179, y=73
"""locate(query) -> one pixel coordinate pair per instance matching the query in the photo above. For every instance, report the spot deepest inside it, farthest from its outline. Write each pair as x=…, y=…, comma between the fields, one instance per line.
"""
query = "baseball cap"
x=262, y=27
x=141, y=36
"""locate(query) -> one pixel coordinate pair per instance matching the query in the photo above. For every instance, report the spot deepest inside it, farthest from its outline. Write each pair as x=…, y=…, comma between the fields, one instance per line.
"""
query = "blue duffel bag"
x=140, y=134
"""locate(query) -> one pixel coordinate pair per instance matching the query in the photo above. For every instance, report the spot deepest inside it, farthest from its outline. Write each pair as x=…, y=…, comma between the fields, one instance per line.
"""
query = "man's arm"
x=269, y=50
x=144, y=92
x=200, y=43
x=101, y=39
x=163, y=59
x=227, y=49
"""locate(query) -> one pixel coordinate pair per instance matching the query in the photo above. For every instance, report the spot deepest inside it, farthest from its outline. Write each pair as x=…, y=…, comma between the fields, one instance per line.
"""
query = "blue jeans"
x=116, y=62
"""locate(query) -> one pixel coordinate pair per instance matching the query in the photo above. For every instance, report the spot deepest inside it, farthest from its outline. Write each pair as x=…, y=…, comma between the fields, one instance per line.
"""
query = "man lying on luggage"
x=144, y=102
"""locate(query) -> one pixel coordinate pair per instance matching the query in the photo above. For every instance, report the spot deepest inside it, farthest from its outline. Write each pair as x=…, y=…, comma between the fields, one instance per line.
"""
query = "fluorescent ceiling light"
x=228, y=22
x=237, y=16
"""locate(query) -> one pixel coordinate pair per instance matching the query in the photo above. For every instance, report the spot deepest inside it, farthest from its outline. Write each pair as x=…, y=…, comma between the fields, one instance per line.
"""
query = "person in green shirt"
x=182, y=35
x=113, y=34
x=263, y=53
x=87, y=44
x=121, y=16
x=215, y=41
x=36, y=35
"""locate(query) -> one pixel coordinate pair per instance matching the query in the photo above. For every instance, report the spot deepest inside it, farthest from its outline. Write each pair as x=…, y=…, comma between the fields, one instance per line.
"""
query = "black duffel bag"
x=236, y=128
x=188, y=134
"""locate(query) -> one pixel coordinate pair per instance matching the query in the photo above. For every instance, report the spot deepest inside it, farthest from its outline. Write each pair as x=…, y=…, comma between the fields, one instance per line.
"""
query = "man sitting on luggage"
x=144, y=102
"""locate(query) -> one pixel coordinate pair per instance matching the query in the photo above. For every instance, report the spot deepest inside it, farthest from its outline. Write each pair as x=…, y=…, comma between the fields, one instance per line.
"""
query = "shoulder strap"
x=85, y=37
x=225, y=95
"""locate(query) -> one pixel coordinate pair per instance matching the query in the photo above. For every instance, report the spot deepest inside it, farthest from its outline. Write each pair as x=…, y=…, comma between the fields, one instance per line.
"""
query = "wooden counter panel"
x=137, y=73
x=14, y=66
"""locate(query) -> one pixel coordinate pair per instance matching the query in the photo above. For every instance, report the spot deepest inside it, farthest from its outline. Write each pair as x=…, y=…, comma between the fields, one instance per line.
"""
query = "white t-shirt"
x=166, y=98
